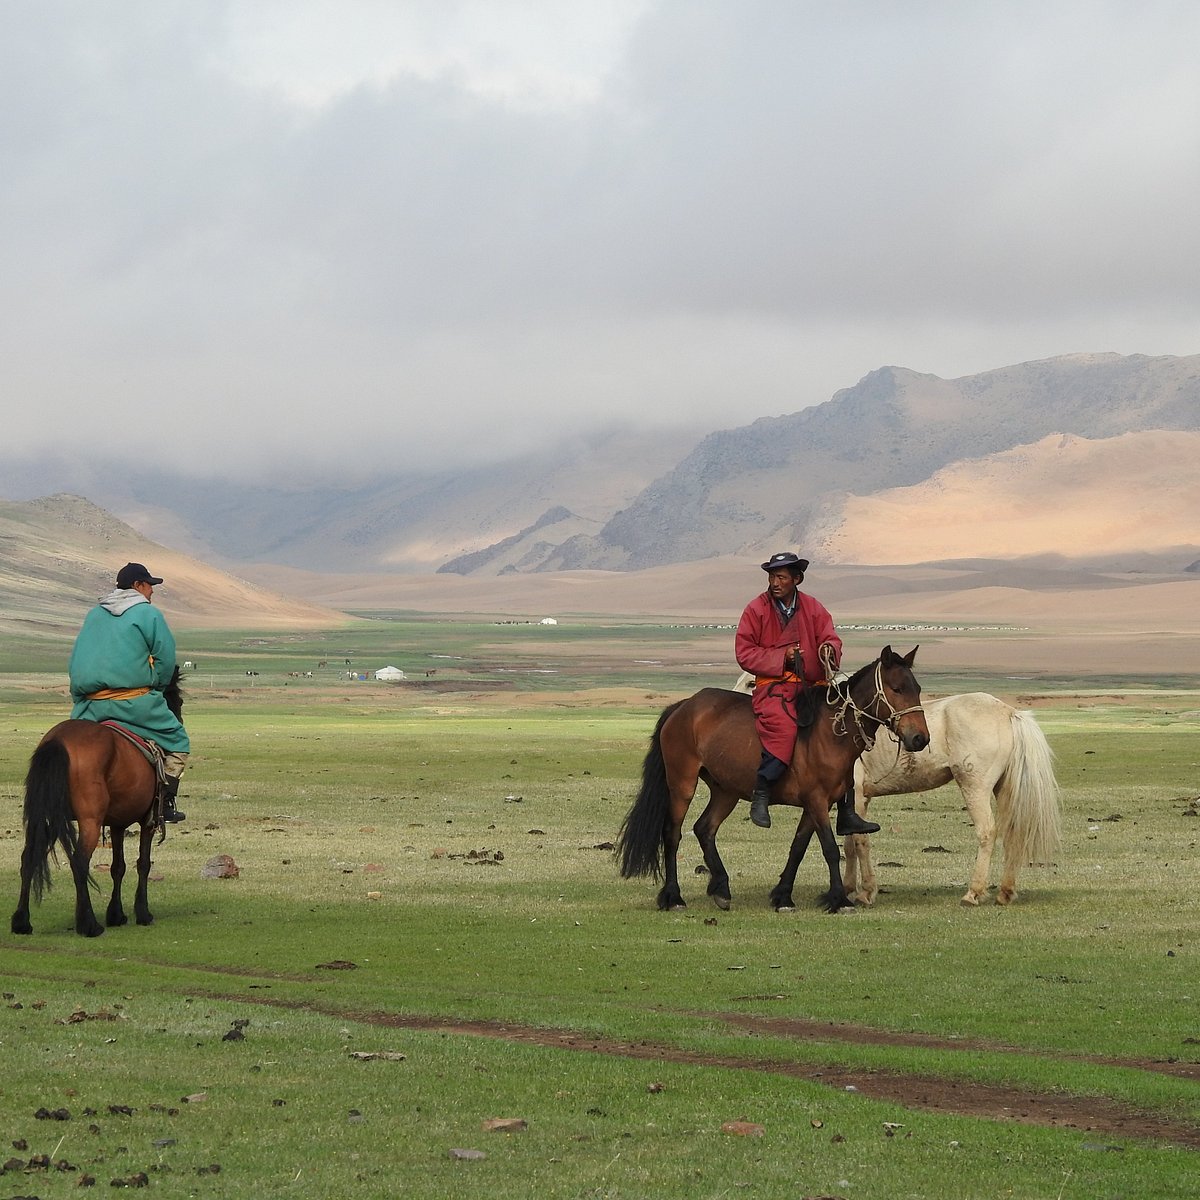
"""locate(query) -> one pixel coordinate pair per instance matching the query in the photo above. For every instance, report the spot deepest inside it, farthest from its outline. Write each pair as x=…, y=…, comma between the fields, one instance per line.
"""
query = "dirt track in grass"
x=1101, y=1117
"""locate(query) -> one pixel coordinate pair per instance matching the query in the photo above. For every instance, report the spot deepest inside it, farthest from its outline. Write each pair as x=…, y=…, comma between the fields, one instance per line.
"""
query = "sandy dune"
x=1036, y=499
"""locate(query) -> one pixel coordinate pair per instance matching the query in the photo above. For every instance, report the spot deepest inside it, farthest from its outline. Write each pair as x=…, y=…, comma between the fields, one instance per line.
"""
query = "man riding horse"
x=787, y=641
x=123, y=658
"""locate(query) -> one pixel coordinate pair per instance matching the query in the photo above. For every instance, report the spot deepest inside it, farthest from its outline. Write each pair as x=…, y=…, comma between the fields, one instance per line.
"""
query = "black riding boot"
x=760, y=798
x=169, y=811
x=848, y=821
x=770, y=769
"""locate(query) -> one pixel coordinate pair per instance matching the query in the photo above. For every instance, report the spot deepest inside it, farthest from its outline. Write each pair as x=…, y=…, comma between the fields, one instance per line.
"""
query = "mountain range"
x=1084, y=455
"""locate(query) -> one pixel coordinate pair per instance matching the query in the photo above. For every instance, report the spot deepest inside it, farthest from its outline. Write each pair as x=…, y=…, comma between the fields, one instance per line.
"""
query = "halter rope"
x=846, y=702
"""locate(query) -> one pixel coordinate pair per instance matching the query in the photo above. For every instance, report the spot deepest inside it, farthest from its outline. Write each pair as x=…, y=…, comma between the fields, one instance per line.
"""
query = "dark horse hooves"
x=836, y=902
x=20, y=925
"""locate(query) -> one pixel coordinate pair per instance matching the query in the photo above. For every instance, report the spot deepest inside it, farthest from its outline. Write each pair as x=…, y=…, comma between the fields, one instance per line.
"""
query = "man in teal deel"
x=122, y=660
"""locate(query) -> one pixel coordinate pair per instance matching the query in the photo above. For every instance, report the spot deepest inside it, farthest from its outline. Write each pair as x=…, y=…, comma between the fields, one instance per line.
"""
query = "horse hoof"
x=722, y=902
x=784, y=907
x=969, y=901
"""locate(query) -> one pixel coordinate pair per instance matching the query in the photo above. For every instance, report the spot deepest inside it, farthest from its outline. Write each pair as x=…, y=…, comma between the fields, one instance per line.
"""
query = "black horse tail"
x=48, y=814
x=640, y=842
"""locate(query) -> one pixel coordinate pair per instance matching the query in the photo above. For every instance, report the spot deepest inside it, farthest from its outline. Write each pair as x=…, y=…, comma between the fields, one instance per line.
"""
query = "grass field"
x=425, y=871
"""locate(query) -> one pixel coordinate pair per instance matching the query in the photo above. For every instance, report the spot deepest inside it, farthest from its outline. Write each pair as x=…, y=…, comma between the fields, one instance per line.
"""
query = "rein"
x=846, y=704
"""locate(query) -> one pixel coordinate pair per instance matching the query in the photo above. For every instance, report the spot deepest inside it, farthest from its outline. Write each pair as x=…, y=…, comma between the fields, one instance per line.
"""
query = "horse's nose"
x=919, y=741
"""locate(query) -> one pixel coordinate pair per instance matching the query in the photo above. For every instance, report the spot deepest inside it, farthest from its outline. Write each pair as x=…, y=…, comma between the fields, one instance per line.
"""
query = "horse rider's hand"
x=793, y=660
x=829, y=661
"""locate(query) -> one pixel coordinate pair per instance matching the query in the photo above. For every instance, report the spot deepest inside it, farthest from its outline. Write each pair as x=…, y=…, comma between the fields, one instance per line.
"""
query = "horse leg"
x=670, y=897
x=141, y=899
x=835, y=899
x=20, y=919
x=116, y=913
x=720, y=805
x=85, y=917
x=1014, y=855
x=780, y=898
x=1008, y=880
x=978, y=797
x=648, y=843
x=859, y=878
x=681, y=776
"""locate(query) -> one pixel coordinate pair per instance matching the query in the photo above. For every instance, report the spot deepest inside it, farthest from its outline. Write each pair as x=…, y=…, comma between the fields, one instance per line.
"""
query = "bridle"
x=846, y=704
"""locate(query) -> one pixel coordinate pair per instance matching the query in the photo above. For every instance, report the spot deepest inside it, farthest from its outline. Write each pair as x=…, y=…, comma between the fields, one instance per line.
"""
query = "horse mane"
x=173, y=694
x=860, y=674
x=810, y=699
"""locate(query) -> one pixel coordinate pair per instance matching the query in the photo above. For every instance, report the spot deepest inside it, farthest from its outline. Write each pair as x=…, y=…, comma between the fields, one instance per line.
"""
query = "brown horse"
x=87, y=773
x=711, y=736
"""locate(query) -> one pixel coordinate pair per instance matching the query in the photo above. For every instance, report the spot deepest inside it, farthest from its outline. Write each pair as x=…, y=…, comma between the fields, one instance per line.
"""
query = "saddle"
x=154, y=756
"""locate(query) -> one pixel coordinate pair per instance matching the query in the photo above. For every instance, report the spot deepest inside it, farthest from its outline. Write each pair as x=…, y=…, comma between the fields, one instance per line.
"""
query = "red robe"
x=761, y=641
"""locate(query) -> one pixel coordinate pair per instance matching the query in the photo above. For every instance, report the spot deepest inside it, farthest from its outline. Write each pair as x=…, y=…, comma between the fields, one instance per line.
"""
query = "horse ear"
x=886, y=655
x=912, y=654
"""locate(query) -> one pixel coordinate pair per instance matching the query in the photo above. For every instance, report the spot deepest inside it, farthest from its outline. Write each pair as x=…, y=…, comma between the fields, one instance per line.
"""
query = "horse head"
x=898, y=696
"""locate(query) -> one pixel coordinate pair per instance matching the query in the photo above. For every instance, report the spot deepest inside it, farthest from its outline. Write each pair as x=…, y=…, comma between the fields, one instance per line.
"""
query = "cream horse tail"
x=1028, y=801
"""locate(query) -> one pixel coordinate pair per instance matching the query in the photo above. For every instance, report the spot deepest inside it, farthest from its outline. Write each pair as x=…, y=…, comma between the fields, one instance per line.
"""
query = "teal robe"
x=125, y=643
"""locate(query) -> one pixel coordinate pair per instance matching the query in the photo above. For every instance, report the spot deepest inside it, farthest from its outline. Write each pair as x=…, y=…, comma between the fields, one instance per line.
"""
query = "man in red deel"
x=787, y=641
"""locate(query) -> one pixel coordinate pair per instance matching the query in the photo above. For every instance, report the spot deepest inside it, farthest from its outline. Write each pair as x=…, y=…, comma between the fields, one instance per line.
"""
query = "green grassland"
x=420, y=856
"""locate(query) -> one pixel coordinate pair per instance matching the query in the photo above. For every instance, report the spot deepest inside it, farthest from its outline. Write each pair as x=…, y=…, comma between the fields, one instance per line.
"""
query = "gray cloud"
x=486, y=231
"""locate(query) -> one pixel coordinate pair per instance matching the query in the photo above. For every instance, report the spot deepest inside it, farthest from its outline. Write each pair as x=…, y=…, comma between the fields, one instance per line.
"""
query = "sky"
x=333, y=235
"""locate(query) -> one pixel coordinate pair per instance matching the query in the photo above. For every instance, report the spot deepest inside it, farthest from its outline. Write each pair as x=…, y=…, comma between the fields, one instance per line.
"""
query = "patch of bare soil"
x=998, y=1102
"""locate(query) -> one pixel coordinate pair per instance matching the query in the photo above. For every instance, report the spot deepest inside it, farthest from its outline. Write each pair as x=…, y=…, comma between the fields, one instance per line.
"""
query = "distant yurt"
x=390, y=674
x=548, y=621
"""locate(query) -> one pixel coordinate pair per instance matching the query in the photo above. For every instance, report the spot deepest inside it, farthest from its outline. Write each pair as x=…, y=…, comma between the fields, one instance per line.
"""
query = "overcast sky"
x=339, y=231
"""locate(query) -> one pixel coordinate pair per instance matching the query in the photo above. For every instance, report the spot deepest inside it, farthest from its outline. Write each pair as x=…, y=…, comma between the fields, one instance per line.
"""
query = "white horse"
x=988, y=748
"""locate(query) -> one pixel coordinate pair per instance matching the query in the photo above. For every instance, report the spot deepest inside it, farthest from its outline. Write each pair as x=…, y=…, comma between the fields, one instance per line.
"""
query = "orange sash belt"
x=763, y=680
x=118, y=693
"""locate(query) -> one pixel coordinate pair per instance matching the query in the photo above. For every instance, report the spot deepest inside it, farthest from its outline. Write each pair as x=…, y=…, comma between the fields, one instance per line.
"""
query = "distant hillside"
x=770, y=483
x=831, y=477
x=404, y=517
x=59, y=554
x=1117, y=496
